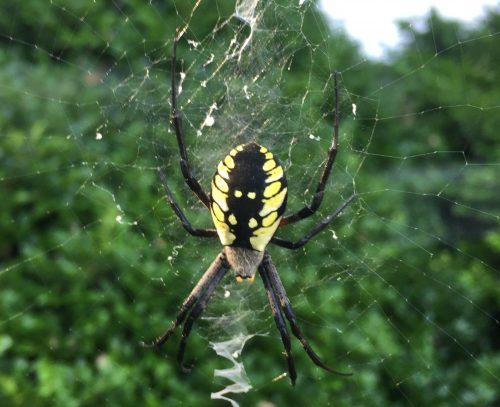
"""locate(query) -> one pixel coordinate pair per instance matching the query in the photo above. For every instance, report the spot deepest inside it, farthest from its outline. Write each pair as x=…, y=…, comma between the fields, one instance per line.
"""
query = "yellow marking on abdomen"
x=220, y=183
x=273, y=203
x=262, y=236
x=268, y=165
x=275, y=174
x=252, y=223
x=223, y=230
x=217, y=212
x=220, y=198
x=269, y=219
x=229, y=162
x=223, y=170
x=225, y=235
x=272, y=189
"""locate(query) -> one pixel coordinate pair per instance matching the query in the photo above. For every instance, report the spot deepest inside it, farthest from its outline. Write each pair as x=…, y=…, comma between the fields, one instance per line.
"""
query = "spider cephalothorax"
x=247, y=203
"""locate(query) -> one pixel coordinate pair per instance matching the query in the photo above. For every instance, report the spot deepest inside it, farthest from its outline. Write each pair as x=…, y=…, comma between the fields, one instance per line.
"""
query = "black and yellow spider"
x=247, y=202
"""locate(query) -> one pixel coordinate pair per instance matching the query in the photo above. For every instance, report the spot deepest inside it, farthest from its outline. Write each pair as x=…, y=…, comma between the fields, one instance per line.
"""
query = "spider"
x=247, y=204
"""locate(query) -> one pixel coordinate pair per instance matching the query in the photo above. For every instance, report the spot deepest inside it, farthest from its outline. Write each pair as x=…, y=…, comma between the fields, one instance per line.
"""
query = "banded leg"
x=287, y=309
x=178, y=211
x=219, y=266
x=191, y=181
x=280, y=323
x=310, y=209
x=315, y=230
x=195, y=313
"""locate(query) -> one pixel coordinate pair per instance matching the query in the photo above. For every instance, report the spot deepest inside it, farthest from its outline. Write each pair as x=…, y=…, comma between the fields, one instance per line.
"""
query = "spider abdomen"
x=248, y=197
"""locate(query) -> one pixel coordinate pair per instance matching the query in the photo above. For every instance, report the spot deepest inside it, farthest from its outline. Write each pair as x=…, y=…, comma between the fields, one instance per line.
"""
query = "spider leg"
x=219, y=266
x=177, y=122
x=310, y=209
x=195, y=313
x=178, y=211
x=287, y=309
x=280, y=323
x=315, y=230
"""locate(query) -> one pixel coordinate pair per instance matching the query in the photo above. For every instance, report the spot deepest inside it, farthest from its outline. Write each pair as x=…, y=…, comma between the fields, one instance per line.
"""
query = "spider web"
x=402, y=289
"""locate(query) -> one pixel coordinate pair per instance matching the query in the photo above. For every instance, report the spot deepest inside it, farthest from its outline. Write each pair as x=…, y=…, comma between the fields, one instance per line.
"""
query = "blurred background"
x=403, y=289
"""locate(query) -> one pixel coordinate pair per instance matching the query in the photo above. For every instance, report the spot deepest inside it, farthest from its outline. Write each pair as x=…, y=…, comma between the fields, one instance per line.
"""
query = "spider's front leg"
x=191, y=181
x=180, y=214
x=317, y=198
x=315, y=230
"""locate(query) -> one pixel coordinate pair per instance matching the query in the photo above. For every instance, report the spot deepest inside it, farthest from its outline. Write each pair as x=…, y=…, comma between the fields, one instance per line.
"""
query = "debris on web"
x=236, y=374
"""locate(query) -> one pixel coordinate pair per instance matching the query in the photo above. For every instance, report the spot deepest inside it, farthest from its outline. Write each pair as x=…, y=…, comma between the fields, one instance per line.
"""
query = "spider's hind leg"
x=280, y=323
x=194, y=315
x=198, y=294
x=277, y=286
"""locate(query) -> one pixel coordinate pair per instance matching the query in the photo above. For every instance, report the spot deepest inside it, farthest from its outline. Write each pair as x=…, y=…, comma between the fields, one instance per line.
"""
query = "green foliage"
x=93, y=261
